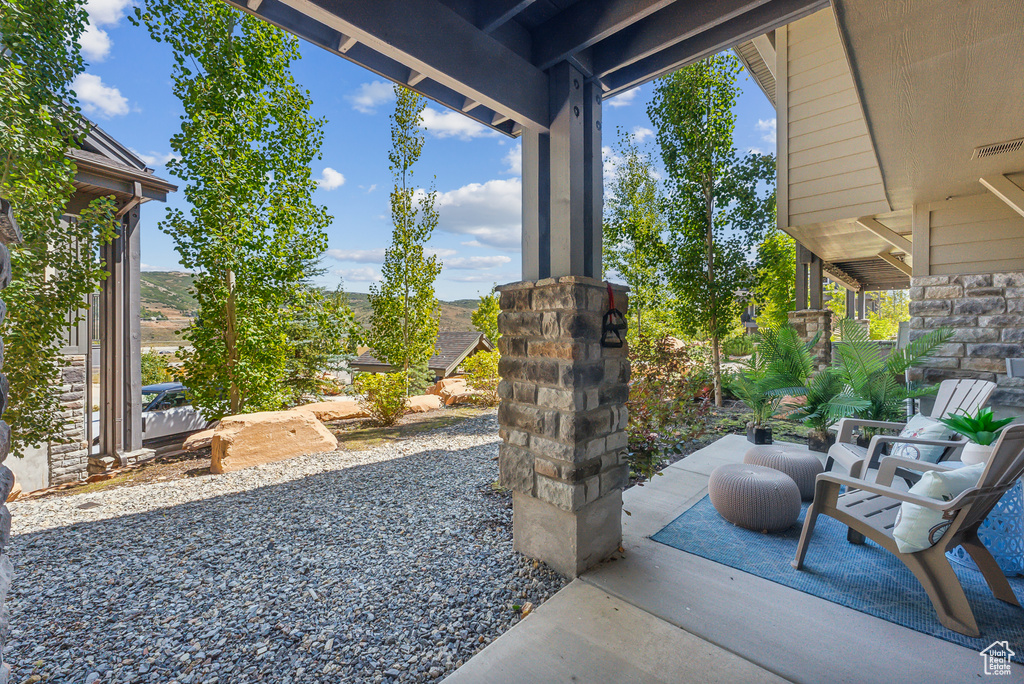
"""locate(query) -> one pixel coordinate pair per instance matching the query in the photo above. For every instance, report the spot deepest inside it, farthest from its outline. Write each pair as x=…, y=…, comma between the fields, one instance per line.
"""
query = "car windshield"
x=147, y=398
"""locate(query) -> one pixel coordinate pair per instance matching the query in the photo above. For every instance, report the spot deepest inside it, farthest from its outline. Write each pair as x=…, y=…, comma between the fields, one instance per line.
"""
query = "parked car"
x=166, y=412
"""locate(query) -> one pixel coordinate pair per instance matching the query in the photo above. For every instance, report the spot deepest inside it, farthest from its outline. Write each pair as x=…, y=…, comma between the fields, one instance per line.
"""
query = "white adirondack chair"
x=954, y=395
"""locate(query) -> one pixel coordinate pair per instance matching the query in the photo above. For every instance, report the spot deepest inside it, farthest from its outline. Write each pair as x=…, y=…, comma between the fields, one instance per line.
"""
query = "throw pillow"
x=918, y=528
x=922, y=427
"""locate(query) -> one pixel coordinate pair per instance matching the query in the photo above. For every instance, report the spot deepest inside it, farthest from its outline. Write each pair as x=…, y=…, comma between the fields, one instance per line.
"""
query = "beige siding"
x=976, y=234
x=832, y=171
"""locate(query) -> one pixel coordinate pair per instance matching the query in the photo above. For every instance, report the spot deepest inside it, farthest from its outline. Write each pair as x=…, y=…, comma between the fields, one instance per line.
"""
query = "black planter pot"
x=815, y=441
x=759, y=435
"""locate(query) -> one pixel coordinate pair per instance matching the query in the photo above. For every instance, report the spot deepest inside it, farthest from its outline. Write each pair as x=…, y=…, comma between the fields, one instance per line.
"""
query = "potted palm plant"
x=825, y=402
x=982, y=429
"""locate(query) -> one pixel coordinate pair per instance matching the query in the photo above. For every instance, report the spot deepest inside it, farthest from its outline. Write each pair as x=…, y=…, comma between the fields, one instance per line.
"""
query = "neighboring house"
x=452, y=349
x=907, y=172
x=104, y=168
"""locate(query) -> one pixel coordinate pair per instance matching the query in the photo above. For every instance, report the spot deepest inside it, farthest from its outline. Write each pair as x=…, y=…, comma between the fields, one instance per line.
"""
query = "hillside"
x=165, y=295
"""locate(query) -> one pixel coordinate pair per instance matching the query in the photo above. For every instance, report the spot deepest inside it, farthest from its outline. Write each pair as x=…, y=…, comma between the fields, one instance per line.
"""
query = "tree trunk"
x=709, y=237
x=231, y=342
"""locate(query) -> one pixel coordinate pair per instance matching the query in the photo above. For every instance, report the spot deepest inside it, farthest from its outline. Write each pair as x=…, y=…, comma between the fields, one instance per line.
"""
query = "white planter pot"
x=975, y=453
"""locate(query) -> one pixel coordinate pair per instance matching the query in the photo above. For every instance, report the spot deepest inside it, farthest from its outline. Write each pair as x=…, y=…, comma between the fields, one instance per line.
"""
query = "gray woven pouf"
x=799, y=464
x=754, y=497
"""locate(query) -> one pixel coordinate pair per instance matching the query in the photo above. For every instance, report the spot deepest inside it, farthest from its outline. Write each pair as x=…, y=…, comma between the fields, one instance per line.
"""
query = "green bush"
x=741, y=345
x=155, y=369
x=383, y=396
x=482, y=375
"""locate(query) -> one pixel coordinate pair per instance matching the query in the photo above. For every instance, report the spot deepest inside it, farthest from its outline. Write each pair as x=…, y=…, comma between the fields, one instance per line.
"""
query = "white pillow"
x=918, y=528
x=922, y=427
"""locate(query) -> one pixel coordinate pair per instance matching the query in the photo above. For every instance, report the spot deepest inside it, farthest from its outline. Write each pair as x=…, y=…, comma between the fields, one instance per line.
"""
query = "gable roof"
x=105, y=166
x=452, y=349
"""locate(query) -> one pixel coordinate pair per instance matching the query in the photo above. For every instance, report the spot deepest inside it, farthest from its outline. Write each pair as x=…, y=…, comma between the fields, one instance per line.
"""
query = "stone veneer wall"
x=809, y=323
x=986, y=313
x=69, y=457
x=563, y=420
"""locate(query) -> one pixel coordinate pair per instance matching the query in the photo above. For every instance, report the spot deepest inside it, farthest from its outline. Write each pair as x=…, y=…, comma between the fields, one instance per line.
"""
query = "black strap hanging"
x=613, y=327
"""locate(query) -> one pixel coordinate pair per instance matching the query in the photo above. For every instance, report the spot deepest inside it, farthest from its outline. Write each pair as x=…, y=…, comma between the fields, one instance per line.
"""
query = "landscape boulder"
x=456, y=396
x=439, y=388
x=254, y=438
x=423, y=403
x=198, y=440
x=340, y=409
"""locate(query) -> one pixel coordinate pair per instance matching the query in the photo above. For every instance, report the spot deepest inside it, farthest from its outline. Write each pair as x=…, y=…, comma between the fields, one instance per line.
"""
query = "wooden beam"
x=765, y=48
x=494, y=13
x=895, y=263
x=426, y=36
x=840, y=277
x=625, y=67
x=888, y=234
x=498, y=119
x=469, y=104
x=346, y=43
x=414, y=78
x=254, y=4
x=586, y=23
x=1006, y=190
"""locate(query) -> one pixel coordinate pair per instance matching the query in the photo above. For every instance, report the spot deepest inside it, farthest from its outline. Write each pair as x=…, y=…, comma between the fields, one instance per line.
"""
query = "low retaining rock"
x=254, y=438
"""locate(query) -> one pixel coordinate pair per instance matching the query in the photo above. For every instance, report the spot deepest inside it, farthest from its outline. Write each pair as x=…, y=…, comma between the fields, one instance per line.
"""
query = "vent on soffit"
x=998, y=148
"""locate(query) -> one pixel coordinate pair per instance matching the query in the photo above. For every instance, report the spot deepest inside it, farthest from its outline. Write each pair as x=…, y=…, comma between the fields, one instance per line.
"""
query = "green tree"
x=406, y=314
x=893, y=309
x=54, y=269
x=775, y=279
x=322, y=337
x=834, y=297
x=253, y=232
x=154, y=368
x=633, y=232
x=719, y=205
x=485, y=317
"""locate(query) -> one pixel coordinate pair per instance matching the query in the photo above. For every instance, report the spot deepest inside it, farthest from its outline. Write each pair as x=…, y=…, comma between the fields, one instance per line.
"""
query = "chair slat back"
x=1005, y=467
x=963, y=395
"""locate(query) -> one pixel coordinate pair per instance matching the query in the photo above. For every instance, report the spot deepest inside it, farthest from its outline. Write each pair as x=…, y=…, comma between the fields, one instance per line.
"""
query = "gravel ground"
x=391, y=564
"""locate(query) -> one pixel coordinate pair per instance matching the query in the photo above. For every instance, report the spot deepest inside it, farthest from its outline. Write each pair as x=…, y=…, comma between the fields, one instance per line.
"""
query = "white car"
x=166, y=412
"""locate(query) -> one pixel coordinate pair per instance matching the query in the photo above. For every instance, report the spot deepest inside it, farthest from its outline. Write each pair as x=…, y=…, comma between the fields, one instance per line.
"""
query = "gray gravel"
x=393, y=564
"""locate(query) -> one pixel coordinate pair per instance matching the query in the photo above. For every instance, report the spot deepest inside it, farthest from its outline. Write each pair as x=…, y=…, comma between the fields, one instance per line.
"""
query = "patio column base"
x=563, y=420
x=809, y=323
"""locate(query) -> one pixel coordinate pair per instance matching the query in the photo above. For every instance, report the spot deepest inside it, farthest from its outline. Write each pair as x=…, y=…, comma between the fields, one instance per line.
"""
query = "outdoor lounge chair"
x=954, y=395
x=870, y=509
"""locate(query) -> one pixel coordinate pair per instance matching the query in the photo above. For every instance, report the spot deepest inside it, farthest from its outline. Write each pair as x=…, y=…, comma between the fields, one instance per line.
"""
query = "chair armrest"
x=889, y=465
x=845, y=427
x=875, y=488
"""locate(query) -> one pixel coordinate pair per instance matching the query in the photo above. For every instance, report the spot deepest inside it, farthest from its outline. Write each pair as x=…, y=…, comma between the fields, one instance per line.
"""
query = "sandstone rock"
x=342, y=409
x=254, y=438
x=423, y=403
x=199, y=440
x=462, y=395
x=453, y=388
x=438, y=389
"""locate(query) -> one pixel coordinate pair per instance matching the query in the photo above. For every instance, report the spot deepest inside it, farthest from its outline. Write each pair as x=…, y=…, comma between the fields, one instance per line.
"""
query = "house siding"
x=975, y=234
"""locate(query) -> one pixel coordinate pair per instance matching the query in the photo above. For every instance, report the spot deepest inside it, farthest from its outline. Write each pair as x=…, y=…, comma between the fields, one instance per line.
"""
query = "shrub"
x=155, y=369
x=482, y=375
x=669, y=400
x=741, y=345
x=383, y=396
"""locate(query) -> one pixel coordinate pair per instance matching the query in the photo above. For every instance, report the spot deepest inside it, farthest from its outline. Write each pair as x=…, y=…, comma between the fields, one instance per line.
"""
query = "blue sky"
x=126, y=89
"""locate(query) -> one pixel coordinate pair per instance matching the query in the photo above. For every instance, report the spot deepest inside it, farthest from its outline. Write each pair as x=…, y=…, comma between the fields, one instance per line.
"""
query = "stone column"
x=69, y=455
x=563, y=420
x=809, y=323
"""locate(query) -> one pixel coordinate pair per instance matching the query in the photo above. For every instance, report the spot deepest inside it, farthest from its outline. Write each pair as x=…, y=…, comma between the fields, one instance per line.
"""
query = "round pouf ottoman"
x=754, y=497
x=802, y=466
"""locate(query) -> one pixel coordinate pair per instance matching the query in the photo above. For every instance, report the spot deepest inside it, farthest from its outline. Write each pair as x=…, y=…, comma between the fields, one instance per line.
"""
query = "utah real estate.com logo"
x=997, y=658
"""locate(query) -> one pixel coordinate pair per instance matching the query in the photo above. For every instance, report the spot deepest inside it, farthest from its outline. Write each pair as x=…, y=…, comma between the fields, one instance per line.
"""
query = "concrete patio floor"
x=662, y=615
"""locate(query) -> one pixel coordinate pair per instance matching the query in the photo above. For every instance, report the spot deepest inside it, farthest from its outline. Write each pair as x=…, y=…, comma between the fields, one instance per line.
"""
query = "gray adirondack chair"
x=954, y=395
x=870, y=509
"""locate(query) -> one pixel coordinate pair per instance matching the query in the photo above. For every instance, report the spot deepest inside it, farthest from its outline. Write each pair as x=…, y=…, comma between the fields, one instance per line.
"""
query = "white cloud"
x=98, y=98
x=96, y=43
x=514, y=159
x=641, y=133
x=368, y=188
x=440, y=252
x=767, y=127
x=611, y=162
x=371, y=95
x=490, y=212
x=623, y=99
x=330, y=179
x=490, y=277
x=476, y=262
x=451, y=124
x=359, y=256
x=155, y=158
x=363, y=274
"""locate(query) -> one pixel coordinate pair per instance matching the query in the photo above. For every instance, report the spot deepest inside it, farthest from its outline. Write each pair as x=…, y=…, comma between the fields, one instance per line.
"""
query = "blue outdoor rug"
x=866, y=578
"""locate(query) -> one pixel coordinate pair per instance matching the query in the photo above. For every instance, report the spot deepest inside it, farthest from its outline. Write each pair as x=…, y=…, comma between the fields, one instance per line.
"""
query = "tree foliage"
x=482, y=375
x=405, y=311
x=154, y=368
x=634, y=229
x=383, y=396
x=485, y=317
x=55, y=268
x=775, y=279
x=323, y=336
x=253, y=232
x=893, y=309
x=719, y=205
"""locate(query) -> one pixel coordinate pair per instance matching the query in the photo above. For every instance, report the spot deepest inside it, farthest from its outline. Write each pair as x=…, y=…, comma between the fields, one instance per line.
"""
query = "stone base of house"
x=811, y=322
x=986, y=313
x=563, y=420
x=69, y=456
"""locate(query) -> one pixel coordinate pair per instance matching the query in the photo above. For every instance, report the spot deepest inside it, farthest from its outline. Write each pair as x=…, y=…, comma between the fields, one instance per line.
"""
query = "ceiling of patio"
x=487, y=58
x=937, y=80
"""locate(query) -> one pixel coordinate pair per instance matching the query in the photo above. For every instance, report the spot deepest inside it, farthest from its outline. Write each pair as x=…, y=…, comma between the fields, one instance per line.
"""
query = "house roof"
x=452, y=349
x=105, y=167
